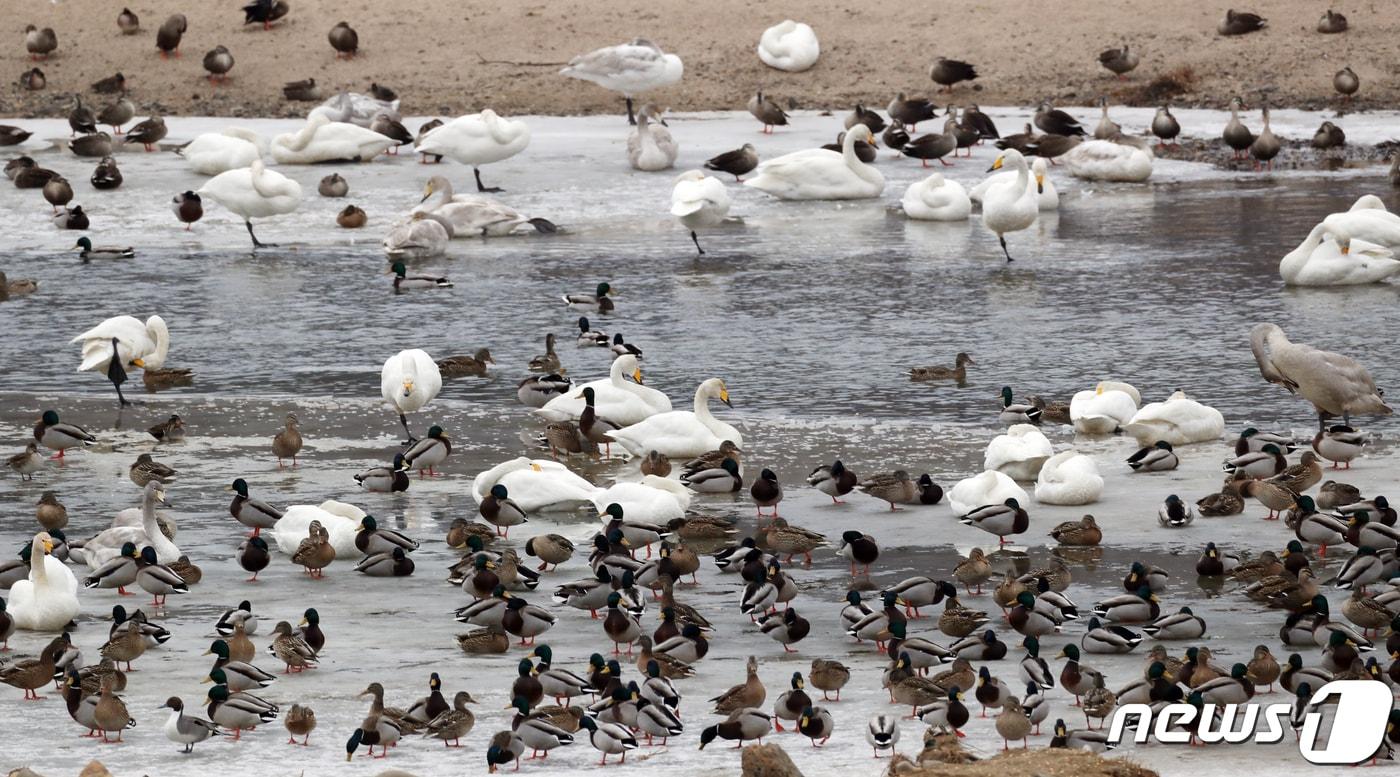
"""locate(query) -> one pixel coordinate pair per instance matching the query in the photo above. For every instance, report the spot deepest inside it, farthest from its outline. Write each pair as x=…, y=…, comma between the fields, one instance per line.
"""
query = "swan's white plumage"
x=1019, y=453
x=107, y=544
x=1101, y=410
x=409, y=380
x=323, y=140
x=476, y=139
x=1318, y=261
x=1069, y=478
x=254, y=191
x=630, y=68
x=1103, y=160
x=1010, y=204
x=1179, y=420
x=984, y=489
x=820, y=174
x=936, y=199
x=699, y=200
x=218, y=152
x=355, y=108
x=614, y=398
x=417, y=238
x=48, y=598
x=682, y=432
x=535, y=484
x=1047, y=197
x=148, y=341
x=471, y=215
x=650, y=147
x=653, y=499
x=340, y=520
x=790, y=46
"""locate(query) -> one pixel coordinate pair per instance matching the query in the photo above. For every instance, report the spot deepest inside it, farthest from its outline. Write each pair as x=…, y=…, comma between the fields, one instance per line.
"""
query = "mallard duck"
x=1171, y=666
x=253, y=556
x=242, y=613
x=1138, y=607
x=858, y=549
x=453, y=724
x=621, y=627
x=1139, y=573
x=893, y=487
x=786, y=629
x=835, y=480
x=721, y=479
x=376, y=729
x=828, y=676
x=1109, y=639
x=405, y=282
x=1157, y=458
x=1027, y=619
x=742, y=725
x=1315, y=528
x=316, y=552
x=253, y=513
x=1001, y=520
x=484, y=641
x=958, y=372
x=598, y=301
x=1214, y=563
x=16, y=288
x=1272, y=495
x=590, y=337
x=125, y=645
x=237, y=675
x=50, y=513
x=110, y=714
x=1227, y=502
x=147, y=470
x=461, y=366
x=536, y=730
x=32, y=673
x=550, y=549
x=1263, y=463
x=286, y=444
x=87, y=252
x=981, y=647
x=1183, y=624
x=158, y=579
x=1098, y=702
x=782, y=537
x=1077, y=739
x=1084, y=532
x=1174, y=513
x=300, y=722
x=1339, y=444
x=238, y=710
x=749, y=693
x=1234, y=689
x=385, y=480
x=1266, y=565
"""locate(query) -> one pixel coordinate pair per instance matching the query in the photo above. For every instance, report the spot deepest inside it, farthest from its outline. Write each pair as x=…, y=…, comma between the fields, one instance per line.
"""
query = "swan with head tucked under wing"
x=1179, y=420
x=1047, y=197
x=790, y=46
x=254, y=192
x=422, y=236
x=1123, y=159
x=473, y=215
x=135, y=344
x=47, y=600
x=630, y=68
x=340, y=522
x=652, y=500
x=477, y=139
x=1341, y=261
x=1018, y=454
x=1367, y=219
x=1336, y=385
x=408, y=381
x=218, y=152
x=1069, y=478
x=536, y=484
x=1104, y=409
x=1011, y=205
x=323, y=140
x=936, y=199
x=698, y=201
x=108, y=543
x=682, y=433
x=614, y=397
x=984, y=489
x=820, y=174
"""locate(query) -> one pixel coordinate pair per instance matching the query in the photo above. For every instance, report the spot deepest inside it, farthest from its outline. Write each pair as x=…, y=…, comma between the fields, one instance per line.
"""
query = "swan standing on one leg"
x=1337, y=385
x=1010, y=206
x=410, y=379
x=629, y=68
x=133, y=343
x=254, y=192
x=477, y=139
x=699, y=201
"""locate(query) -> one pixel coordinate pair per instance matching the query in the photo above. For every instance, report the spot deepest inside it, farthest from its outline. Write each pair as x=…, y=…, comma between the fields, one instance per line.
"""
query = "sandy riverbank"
x=432, y=52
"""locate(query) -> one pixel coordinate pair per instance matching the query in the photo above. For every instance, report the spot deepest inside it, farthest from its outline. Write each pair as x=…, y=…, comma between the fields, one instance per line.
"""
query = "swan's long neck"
x=161, y=335
x=848, y=152
x=501, y=133
x=164, y=547
x=445, y=193
x=38, y=572
x=615, y=375
x=1023, y=175
x=256, y=178
x=304, y=135
x=702, y=408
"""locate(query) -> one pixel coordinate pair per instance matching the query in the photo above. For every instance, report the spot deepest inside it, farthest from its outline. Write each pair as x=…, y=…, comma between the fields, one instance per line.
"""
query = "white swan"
x=1179, y=420
x=139, y=344
x=820, y=174
x=1103, y=409
x=107, y=544
x=1341, y=261
x=1069, y=478
x=614, y=398
x=682, y=432
x=1046, y=195
x=535, y=484
x=988, y=488
x=1010, y=205
x=409, y=380
x=1104, y=160
x=323, y=140
x=423, y=236
x=790, y=46
x=629, y=68
x=48, y=599
x=212, y=153
x=650, y=147
x=475, y=215
x=340, y=520
x=699, y=201
x=1368, y=220
x=1019, y=453
x=936, y=199
x=653, y=500
x=253, y=192
x=355, y=108
x=476, y=139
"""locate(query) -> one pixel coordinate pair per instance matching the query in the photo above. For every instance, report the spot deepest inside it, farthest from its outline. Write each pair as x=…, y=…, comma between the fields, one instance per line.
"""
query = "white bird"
x=535, y=484
x=424, y=235
x=1103, y=409
x=1179, y=420
x=621, y=401
x=475, y=215
x=212, y=153
x=409, y=380
x=323, y=140
x=682, y=432
x=630, y=68
x=1341, y=261
x=1069, y=478
x=477, y=139
x=355, y=108
x=650, y=147
x=136, y=345
x=1107, y=160
x=699, y=201
x=820, y=174
x=1046, y=195
x=1337, y=385
x=340, y=520
x=790, y=46
x=107, y=544
x=48, y=598
x=1010, y=206
x=1018, y=454
x=936, y=199
x=253, y=192
x=1368, y=220
x=987, y=488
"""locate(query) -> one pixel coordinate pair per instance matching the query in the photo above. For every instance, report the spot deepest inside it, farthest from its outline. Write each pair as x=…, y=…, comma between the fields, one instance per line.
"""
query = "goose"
x=47, y=599
x=408, y=381
x=1165, y=126
x=344, y=40
x=422, y=236
x=1332, y=22
x=477, y=139
x=936, y=199
x=1104, y=409
x=1179, y=420
x=650, y=147
x=217, y=62
x=1266, y=146
x=948, y=72
x=699, y=201
x=137, y=344
x=168, y=35
x=323, y=140
x=1240, y=23
x=1106, y=129
x=471, y=215
x=629, y=68
x=1335, y=384
x=681, y=433
x=1236, y=135
x=1010, y=206
x=1345, y=262
x=790, y=46
x=987, y=488
x=1038, y=184
x=1120, y=62
x=254, y=192
x=738, y=163
x=1103, y=160
x=818, y=174
x=231, y=148
x=1069, y=478
x=339, y=522
x=1019, y=453
x=615, y=399
x=39, y=43
x=534, y=484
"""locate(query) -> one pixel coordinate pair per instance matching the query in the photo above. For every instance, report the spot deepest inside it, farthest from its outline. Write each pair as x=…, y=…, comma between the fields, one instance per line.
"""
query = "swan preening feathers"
x=1336, y=385
x=1347, y=248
